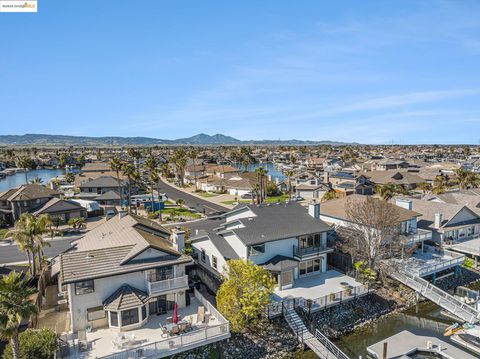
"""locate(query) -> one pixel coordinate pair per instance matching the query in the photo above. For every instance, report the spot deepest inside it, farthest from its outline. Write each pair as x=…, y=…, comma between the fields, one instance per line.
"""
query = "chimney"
x=314, y=209
x=438, y=220
x=178, y=239
x=122, y=214
x=404, y=203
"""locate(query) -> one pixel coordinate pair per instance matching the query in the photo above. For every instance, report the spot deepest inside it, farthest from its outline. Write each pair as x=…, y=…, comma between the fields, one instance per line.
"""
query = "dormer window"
x=257, y=249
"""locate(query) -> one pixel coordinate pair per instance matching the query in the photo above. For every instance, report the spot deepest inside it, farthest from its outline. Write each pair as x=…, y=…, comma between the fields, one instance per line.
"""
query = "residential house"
x=287, y=239
x=23, y=199
x=104, y=189
x=386, y=164
x=408, y=180
x=126, y=275
x=62, y=209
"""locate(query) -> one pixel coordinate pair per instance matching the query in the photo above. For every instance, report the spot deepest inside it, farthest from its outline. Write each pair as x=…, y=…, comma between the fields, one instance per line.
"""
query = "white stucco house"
x=287, y=239
x=127, y=275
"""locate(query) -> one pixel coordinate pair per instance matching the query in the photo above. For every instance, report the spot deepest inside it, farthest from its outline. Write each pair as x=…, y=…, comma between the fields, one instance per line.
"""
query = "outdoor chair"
x=201, y=314
x=207, y=317
x=175, y=330
x=183, y=327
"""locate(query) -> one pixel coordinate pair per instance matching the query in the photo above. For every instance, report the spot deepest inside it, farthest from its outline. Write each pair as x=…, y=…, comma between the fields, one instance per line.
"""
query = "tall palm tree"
x=154, y=178
x=192, y=154
x=179, y=159
x=289, y=176
x=24, y=162
x=28, y=233
x=132, y=174
x=424, y=187
x=440, y=184
x=386, y=191
x=116, y=165
x=15, y=306
x=36, y=180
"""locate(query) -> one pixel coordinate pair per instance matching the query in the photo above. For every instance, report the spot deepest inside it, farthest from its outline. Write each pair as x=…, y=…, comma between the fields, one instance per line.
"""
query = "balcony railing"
x=167, y=285
x=420, y=235
x=300, y=252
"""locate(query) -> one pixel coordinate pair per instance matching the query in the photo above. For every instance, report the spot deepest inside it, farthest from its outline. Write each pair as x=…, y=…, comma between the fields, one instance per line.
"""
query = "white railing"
x=312, y=305
x=182, y=342
x=421, y=235
x=210, y=308
x=169, y=346
x=333, y=350
x=167, y=285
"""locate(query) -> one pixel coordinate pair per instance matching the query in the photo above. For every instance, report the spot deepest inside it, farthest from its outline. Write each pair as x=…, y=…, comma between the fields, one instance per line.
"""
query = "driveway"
x=201, y=205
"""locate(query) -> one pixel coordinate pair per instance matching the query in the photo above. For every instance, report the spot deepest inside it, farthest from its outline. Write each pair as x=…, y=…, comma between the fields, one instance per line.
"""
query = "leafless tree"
x=372, y=233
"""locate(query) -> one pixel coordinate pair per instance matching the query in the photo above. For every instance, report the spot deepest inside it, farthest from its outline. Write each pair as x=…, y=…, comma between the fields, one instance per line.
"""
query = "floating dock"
x=408, y=345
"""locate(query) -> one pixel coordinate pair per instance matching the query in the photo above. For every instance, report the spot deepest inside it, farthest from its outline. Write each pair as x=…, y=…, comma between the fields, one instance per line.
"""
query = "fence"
x=312, y=305
x=186, y=341
x=333, y=350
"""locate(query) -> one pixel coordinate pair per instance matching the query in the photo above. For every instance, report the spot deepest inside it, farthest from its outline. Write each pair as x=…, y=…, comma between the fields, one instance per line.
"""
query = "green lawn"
x=273, y=199
x=206, y=194
x=181, y=212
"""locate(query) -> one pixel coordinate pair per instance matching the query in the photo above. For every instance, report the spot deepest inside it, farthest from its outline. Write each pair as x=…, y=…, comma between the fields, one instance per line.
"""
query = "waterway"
x=424, y=319
x=270, y=167
x=18, y=179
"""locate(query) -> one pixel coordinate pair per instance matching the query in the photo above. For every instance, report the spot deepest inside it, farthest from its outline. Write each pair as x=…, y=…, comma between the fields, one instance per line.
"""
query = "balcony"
x=420, y=236
x=168, y=285
x=311, y=252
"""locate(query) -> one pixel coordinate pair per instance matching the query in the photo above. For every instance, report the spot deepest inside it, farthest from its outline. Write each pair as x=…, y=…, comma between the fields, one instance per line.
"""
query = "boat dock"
x=406, y=345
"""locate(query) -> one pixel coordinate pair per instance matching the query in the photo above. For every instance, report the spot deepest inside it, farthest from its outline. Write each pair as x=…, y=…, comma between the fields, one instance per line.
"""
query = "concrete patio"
x=149, y=340
x=316, y=286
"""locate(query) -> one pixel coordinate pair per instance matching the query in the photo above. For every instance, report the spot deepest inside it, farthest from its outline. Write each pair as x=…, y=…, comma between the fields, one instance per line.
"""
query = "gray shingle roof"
x=125, y=297
x=280, y=263
x=277, y=221
x=103, y=181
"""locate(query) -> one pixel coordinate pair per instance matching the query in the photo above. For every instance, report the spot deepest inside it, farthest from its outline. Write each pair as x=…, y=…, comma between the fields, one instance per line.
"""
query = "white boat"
x=468, y=337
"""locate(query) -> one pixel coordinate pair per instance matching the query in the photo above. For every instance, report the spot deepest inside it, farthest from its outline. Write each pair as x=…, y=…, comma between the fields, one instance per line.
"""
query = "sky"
x=374, y=72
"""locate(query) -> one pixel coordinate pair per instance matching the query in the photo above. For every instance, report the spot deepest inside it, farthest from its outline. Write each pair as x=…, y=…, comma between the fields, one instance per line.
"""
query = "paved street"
x=199, y=204
x=11, y=254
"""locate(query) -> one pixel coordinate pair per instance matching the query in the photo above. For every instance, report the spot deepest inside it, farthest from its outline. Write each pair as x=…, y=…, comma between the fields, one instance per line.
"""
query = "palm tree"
x=179, y=159
x=424, y=187
x=62, y=159
x=36, y=180
x=25, y=163
x=132, y=174
x=77, y=222
x=28, y=233
x=289, y=176
x=116, y=165
x=386, y=191
x=154, y=178
x=15, y=307
x=193, y=153
x=261, y=183
x=151, y=163
x=440, y=184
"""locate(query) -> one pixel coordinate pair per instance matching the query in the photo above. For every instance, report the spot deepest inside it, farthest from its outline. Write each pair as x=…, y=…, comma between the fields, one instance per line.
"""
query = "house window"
x=204, y=256
x=95, y=313
x=114, y=319
x=84, y=287
x=214, y=262
x=257, y=249
x=129, y=317
x=144, y=312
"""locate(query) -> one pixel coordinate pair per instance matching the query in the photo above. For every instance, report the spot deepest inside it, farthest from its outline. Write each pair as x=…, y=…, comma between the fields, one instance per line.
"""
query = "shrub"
x=34, y=344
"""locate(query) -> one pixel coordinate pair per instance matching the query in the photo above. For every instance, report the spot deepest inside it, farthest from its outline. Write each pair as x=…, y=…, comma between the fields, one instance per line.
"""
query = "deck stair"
x=318, y=343
x=436, y=295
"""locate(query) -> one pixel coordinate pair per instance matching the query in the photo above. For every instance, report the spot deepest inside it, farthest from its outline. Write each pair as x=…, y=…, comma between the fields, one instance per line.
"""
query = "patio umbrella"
x=175, y=313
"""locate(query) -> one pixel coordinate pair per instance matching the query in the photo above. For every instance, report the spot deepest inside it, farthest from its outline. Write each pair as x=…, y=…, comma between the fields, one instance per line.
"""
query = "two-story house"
x=23, y=199
x=122, y=273
x=287, y=239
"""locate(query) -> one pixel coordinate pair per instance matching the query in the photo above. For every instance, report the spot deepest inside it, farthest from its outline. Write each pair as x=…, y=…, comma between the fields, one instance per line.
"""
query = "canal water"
x=18, y=179
x=424, y=319
x=270, y=167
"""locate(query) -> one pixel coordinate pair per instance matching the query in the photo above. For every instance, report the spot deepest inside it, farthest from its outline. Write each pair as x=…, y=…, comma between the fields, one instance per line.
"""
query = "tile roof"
x=336, y=208
x=109, y=249
x=57, y=205
x=102, y=181
x=125, y=297
x=29, y=192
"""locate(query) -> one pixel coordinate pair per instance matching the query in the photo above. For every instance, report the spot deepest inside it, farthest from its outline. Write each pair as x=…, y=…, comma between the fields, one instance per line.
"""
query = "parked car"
x=298, y=198
x=248, y=195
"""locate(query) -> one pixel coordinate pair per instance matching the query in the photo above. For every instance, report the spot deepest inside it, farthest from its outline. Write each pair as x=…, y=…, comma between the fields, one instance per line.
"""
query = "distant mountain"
x=200, y=139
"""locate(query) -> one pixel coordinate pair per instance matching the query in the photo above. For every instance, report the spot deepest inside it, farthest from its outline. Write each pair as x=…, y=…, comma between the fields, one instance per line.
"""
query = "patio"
x=316, y=286
x=149, y=340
